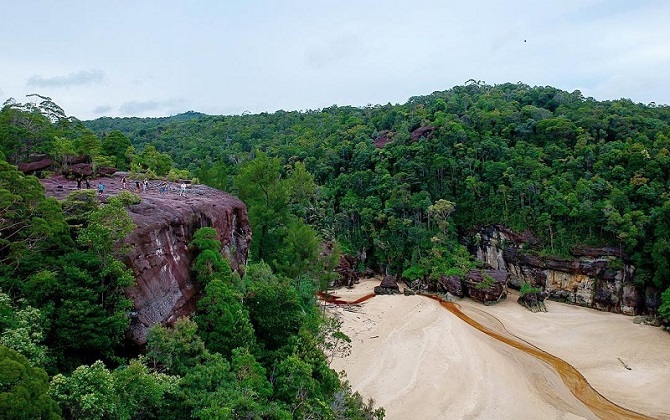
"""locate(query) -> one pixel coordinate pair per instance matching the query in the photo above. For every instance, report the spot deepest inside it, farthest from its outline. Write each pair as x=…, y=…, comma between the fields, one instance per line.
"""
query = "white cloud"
x=258, y=56
x=79, y=78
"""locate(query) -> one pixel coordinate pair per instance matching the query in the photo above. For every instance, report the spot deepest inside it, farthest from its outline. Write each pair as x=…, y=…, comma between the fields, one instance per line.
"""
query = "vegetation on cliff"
x=252, y=350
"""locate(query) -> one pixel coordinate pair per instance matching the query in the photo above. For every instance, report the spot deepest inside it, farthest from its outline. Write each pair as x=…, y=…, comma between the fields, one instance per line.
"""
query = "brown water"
x=575, y=381
x=334, y=299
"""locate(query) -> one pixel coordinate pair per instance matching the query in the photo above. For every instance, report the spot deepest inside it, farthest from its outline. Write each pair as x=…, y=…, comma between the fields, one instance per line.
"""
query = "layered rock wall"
x=594, y=277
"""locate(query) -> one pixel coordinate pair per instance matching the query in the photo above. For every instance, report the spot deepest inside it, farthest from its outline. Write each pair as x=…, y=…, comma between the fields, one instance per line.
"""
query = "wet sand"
x=418, y=360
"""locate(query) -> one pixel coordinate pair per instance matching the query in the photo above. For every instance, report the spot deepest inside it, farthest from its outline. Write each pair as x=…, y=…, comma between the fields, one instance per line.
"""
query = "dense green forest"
x=258, y=346
x=397, y=184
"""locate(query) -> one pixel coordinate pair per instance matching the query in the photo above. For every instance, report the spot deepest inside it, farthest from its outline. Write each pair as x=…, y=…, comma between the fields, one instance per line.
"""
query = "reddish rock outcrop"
x=107, y=170
x=487, y=286
x=79, y=170
x=452, y=284
x=385, y=137
x=424, y=131
x=159, y=257
x=32, y=167
x=348, y=276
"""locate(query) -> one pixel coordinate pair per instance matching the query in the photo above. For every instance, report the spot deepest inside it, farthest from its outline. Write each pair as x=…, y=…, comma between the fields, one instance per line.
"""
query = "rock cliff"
x=159, y=255
x=600, y=278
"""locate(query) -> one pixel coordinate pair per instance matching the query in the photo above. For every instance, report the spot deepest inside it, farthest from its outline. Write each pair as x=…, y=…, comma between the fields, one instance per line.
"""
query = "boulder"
x=388, y=286
x=29, y=168
x=107, y=170
x=345, y=268
x=79, y=170
x=453, y=285
x=534, y=301
x=487, y=286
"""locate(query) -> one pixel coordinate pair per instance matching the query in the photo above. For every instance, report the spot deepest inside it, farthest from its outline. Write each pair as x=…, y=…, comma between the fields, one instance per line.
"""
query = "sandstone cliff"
x=159, y=255
x=600, y=278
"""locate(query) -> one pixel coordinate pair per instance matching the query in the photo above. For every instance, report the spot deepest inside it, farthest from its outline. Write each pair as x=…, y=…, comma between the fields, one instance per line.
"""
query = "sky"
x=163, y=57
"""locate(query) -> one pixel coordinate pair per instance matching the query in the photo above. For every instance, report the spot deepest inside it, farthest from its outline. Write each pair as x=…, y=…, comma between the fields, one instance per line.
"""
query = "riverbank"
x=420, y=361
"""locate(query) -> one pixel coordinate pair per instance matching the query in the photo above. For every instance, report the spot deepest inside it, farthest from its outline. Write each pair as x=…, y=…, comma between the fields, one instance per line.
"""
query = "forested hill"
x=107, y=124
x=570, y=169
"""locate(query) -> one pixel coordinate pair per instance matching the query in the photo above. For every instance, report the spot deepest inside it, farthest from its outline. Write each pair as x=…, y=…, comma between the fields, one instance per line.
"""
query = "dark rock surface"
x=159, y=256
x=452, y=284
x=424, y=131
x=345, y=268
x=534, y=301
x=79, y=170
x=486, y=286
x=388, y=286
x=29, y=168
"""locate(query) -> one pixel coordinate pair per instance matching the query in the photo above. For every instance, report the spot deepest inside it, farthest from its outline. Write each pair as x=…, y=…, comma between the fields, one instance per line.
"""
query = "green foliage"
x=178, y=174
x=259, y=185
x=275, y=308
x=143, y=393
x=24, y=389
x=22, y=330
x=88, y=393
x=115, y=145
x=351, y=406
x=209, y=263
x=255, y=346
x=664, y=310
x=573, y=170
x=153, y=160
x=177, y=349
x=486, y=282
x=527, y=288
x=127, y=198
x=223, y=322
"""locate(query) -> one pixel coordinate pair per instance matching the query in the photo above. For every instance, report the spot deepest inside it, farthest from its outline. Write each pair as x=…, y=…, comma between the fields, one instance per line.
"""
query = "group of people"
x=162, y=187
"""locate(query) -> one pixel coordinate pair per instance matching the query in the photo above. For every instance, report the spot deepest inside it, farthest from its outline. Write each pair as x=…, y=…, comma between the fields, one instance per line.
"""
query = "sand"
x=419, y=361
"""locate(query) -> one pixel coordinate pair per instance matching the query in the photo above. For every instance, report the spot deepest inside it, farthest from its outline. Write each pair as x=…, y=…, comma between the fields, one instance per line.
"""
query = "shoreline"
x=427, y=363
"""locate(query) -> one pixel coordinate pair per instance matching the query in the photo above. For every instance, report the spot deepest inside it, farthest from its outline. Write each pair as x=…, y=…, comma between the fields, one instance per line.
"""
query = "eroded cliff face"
x=595, y=277
x=160, y=257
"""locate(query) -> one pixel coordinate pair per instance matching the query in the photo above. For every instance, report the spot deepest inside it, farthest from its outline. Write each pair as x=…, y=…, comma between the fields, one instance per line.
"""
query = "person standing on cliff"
x=145, y=184
x=123, y=182
x=182, y=191
x=101, y=188
x=137, y=185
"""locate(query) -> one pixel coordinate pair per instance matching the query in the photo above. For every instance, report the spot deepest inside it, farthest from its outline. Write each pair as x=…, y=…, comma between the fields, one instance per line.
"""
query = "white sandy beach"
x=419, y=361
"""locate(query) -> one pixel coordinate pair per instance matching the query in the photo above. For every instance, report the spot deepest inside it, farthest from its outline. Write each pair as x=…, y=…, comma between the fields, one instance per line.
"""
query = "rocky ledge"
x=159, y=255
x=600, y=278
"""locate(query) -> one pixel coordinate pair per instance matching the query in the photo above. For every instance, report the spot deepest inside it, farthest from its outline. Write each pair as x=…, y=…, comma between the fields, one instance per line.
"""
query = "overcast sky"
x=162, y=57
